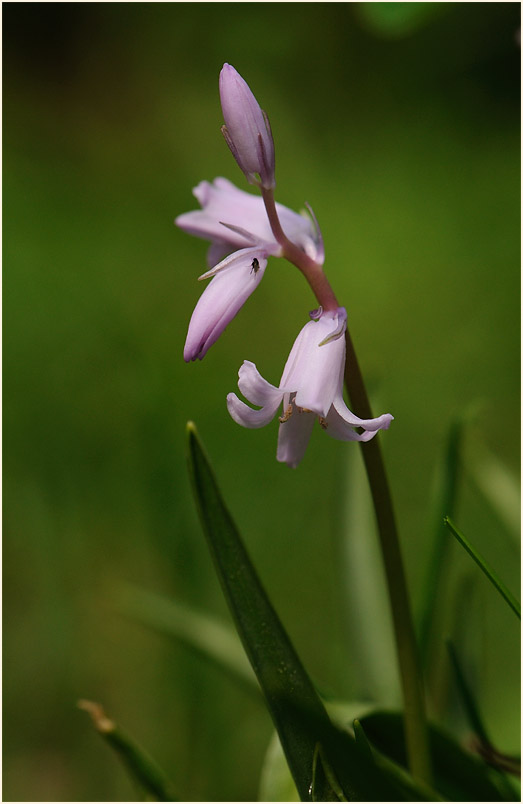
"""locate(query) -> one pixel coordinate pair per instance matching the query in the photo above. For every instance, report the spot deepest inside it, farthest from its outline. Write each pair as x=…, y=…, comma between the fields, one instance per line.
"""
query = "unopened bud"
x=246, y=130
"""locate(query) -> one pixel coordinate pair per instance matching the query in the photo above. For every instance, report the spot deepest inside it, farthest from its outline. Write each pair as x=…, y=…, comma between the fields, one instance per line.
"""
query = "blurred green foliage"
x=407, y=147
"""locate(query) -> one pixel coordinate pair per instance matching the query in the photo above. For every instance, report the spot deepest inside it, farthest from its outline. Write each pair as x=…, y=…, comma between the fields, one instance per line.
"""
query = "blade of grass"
x=486, y=568
x=212, y=639
x=141, y=767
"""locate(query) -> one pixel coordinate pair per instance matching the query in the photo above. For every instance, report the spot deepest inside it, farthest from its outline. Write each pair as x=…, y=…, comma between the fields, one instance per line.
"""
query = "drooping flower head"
x=246, y=130
x=236, y=224
x=311, y=388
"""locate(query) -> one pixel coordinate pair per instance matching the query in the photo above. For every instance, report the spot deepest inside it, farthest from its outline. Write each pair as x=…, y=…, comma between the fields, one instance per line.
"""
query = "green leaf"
x=211, y=638
x=482, y=564
x=140, y=766
x=458, y=775
x=296, y=709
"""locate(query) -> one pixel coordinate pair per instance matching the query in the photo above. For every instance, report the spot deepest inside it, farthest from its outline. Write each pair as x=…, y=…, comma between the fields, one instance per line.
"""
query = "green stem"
x=416, y=733
x=310, y=269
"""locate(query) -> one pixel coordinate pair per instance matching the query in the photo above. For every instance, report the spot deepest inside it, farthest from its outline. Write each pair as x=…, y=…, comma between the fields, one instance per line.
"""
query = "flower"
x=311, y=387
x=246, y=130
x=236, y=221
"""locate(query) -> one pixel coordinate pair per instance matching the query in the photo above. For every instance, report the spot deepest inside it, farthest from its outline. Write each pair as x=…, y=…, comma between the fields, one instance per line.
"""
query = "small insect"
x=255, y=266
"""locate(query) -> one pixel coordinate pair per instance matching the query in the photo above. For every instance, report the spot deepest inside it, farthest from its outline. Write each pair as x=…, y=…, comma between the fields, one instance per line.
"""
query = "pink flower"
x=236, y=221
x=246, y=130
x=311, y=387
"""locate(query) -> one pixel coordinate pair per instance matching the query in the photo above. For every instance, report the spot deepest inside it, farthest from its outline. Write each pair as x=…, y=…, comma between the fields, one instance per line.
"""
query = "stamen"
x=323, y=422
x=286, y=416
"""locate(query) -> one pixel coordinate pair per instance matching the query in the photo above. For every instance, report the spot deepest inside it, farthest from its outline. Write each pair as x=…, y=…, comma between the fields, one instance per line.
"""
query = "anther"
x=286, y=416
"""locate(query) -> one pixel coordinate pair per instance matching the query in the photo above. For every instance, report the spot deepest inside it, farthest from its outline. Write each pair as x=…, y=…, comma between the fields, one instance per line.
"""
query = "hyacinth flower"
x=245, y=231
x=237, y=225
x=311, y=388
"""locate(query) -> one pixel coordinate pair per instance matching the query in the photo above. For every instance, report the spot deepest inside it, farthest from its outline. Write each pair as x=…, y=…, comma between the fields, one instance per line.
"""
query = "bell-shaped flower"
x=246, y=130
x=311, y=388
x=236, y=221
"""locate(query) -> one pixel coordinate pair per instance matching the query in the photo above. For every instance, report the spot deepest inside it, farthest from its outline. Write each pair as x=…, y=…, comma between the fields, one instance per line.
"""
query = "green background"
x=399, y=124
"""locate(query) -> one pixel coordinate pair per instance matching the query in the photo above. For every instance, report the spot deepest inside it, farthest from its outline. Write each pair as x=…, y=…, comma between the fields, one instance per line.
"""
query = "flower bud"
x=246, y=130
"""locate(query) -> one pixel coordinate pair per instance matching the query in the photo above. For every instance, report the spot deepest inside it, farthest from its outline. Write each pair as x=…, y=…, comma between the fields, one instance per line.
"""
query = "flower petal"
x=256, y=389
x=314, y=371
x=224, y=203
x=341, y=421
x=247, y=416
x=379, y=423
x=220, y=301
x=293, y=437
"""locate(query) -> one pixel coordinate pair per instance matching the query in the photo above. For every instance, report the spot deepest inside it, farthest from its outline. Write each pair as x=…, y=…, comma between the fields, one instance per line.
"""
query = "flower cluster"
x=244, y=231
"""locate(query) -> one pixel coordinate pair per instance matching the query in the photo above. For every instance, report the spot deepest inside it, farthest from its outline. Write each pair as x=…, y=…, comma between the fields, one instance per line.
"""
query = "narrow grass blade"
x=212, y=639
x=141, y=767
x=482, y=564
x=296, y=709
x=444, y=504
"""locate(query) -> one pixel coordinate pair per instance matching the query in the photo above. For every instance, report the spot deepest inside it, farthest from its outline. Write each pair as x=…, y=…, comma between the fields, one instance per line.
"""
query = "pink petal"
x=219, y=303
x=247, y=416
x=293, y=437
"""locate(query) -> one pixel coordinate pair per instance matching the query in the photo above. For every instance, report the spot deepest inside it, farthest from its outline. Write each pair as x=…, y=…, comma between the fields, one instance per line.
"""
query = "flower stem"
x=416, y=734
x=312, y=271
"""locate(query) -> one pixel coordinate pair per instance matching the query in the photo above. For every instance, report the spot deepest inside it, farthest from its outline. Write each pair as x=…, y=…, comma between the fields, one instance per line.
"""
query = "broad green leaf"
x=458, y=775
x=296, y=709
x=486, y=568
x=214, y=640
x=444, y=504
x=142, y=769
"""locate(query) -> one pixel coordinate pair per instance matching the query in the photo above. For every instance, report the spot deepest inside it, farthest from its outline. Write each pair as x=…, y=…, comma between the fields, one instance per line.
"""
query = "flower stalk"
x=312, y=271
x=312, y=381
x=416, y=733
